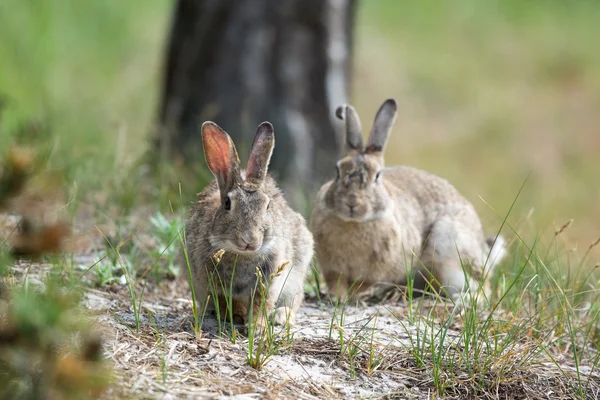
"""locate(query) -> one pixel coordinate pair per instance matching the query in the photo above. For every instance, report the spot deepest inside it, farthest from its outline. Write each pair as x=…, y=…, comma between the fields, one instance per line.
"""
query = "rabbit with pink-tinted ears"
x=373, y=224
x=243, y=216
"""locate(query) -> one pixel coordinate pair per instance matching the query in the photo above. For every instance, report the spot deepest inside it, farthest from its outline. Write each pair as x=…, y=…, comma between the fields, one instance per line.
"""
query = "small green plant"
x=218, y=293
x=357, y=345
x=161, y=335
x=165, y=254
x=112, y=269
x=106, y=273
x=313, y=285
x=264, y=339
x=197, y=327
x=219, y=290
x=129, y=275
x=339, y=307
x=375, y=357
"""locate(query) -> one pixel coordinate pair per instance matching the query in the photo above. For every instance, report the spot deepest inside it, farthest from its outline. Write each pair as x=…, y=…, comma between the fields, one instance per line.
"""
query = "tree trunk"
x=241, y=62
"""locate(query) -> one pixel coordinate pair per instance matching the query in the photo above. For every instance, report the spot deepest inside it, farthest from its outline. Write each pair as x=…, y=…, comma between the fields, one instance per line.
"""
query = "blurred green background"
x=489, y=92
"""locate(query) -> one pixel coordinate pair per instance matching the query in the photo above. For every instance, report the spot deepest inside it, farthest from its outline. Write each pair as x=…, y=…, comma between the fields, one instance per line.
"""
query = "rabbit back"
x=453, y=240
x=374, y=224
x=383, y=250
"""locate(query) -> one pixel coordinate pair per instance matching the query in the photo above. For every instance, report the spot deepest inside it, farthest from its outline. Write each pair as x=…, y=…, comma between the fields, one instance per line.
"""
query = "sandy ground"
x=166, y=360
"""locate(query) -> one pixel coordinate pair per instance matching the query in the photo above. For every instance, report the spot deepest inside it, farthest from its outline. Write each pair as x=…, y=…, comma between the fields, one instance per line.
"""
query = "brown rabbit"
x=244, y=214
x=373, y=224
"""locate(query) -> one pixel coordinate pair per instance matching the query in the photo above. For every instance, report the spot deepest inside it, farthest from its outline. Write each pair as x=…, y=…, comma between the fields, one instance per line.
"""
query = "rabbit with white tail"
x=244, y=218
x=373, y=224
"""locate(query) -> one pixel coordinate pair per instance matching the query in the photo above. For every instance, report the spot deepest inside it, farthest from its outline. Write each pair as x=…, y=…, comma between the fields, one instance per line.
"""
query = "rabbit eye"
x=227, y=204
x=377, y=175
x=268, y=204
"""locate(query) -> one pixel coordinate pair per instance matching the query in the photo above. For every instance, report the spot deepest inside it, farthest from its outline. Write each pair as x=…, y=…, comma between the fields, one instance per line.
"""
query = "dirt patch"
x=376, y=358
x=368, y=351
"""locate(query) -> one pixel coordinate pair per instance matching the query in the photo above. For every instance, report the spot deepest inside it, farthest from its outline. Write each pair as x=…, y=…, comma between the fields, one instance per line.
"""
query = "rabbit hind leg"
x=450, y=257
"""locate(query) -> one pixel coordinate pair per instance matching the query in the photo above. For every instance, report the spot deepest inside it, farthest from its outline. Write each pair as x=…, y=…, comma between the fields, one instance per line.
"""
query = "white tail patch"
x=497, y=252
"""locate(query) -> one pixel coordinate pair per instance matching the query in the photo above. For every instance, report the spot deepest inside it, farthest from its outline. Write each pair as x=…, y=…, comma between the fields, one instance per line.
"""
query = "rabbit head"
x=242, y=223
x=358, y=192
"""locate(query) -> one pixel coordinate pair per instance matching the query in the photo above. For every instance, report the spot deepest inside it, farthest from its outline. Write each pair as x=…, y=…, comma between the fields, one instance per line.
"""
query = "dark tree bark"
x=241, y=62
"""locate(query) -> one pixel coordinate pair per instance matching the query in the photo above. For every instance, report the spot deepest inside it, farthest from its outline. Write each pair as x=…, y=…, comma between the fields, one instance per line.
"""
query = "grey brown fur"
x=259, y=230
x=374, y=225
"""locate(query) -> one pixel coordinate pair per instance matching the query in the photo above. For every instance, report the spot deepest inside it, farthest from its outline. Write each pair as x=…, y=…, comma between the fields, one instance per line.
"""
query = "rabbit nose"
x=352, y=207
x=249, y=239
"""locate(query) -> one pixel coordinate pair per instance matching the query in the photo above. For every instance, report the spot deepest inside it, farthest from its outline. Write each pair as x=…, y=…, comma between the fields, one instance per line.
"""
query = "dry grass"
x=166, y=359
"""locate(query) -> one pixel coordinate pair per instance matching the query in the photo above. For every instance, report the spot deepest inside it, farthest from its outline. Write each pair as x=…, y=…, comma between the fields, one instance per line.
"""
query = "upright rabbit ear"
x=221, y=155
x=348, y=114
x=260, y=155
x=384, y=119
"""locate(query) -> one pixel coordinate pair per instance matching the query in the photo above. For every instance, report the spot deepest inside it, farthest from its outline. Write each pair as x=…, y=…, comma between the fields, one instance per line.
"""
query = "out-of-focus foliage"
x=47, y=350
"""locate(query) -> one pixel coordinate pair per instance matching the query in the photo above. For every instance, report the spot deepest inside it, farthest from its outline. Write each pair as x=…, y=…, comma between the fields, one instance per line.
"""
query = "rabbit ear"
x=381, y=126
x=221, y=155
x=260, y=155
x=348, y=114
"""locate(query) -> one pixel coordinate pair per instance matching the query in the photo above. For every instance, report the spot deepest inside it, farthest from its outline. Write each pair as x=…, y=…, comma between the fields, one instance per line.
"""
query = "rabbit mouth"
x=351, y=216
x=353, y=213
x=248, y=248
x=264, y=247
x=241, y=247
